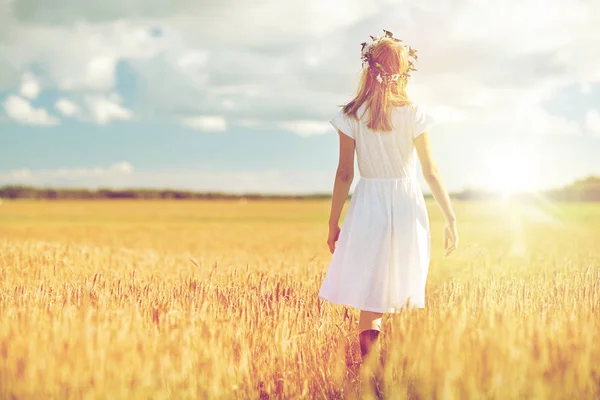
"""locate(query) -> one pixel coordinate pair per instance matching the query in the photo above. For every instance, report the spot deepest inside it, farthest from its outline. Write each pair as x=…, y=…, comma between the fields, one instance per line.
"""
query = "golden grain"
x=176, y=299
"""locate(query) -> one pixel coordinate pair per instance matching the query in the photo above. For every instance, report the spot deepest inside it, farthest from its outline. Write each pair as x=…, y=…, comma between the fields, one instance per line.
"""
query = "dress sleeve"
x=423, y=121
x=343, y=123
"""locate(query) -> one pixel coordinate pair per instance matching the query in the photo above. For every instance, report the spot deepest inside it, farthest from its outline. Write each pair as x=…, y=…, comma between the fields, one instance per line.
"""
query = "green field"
x=201, y=299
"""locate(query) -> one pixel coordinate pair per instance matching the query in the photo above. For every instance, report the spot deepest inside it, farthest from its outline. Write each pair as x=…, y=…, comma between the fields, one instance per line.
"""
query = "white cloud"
x=30, y=87
x=592, y=122
x=444, y=113
x=307, y=128
x=123, y=167
x=228, y=104
x=490, y=55
x=21, y=174
x=104, y=109
x=209, y=123
x=586, y=88
x=81, y=55
x=248, y=89
x=77, y=172
x=66, y=107
x=48, y=176
x=100, y=72
x=545, y=123
x=192, y=59
x=119, y=168
x=23, y=112
x=250, y=123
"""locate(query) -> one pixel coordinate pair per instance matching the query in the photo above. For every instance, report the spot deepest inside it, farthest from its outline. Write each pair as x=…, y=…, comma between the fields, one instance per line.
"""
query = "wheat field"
x=218, y=299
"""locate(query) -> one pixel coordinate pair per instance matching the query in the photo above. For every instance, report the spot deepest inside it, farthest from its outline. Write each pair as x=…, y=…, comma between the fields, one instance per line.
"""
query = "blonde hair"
x=382, y=97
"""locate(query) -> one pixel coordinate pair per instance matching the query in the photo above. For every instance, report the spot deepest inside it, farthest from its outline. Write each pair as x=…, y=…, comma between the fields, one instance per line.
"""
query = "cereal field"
x=177, y=299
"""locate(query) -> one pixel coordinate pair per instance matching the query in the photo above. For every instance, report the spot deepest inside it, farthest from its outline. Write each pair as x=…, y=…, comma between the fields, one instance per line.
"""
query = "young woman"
x=381, y=259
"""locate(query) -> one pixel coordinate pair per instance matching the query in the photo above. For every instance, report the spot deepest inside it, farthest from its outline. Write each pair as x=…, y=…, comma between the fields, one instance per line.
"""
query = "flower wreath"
x=376, y=67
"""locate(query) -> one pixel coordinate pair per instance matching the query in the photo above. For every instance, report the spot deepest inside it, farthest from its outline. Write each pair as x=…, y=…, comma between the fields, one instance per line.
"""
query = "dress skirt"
x=381, y=259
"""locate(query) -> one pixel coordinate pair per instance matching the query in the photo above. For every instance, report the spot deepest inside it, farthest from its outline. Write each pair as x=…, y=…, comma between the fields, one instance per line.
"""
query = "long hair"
x=381, y=98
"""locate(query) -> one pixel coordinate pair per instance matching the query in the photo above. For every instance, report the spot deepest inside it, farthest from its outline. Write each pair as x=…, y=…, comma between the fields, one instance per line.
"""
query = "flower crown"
x=376, y=67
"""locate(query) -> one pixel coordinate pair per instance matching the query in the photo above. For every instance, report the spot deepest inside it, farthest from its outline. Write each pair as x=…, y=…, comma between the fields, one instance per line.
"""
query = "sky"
x=236, y=95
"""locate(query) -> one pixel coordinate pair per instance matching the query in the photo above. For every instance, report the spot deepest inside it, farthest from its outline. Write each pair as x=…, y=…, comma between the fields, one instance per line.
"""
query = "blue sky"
x=236, y=96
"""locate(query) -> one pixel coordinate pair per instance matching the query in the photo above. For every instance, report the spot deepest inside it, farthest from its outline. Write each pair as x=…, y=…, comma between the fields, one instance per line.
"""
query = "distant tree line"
x=587, y=189
x=28, y=192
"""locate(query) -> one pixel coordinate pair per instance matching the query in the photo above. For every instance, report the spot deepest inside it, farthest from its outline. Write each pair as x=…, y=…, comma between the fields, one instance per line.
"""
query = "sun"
x=509, y=172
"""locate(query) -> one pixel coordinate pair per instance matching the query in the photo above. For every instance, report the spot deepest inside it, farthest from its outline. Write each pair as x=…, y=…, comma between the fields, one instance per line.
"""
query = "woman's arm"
x=431, y=173
x=343, y=180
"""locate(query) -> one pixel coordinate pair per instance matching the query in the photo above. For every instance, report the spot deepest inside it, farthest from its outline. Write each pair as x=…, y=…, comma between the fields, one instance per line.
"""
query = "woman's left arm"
x=343, y=180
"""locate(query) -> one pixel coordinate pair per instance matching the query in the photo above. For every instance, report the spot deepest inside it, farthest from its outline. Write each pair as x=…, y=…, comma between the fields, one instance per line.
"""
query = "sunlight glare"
x=509, y=173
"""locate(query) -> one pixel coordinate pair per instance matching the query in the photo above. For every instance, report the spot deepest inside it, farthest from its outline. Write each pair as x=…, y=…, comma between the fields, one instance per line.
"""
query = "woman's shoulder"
x=421, y=111
x=415, y=109
x=412, y=106
x=355, y=116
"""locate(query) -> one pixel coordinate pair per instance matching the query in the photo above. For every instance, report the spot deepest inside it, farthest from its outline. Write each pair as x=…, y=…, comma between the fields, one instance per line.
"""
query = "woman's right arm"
x=431, y=173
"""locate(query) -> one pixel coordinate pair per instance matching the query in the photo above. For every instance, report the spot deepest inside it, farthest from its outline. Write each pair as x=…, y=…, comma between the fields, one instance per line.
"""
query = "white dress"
x=382, y=255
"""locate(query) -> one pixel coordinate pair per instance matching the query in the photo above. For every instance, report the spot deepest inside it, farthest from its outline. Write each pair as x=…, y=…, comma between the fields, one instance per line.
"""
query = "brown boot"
x=367, y=339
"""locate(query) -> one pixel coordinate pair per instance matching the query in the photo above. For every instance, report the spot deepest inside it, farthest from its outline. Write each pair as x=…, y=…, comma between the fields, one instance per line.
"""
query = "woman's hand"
x=334, y=234
x=450, y=237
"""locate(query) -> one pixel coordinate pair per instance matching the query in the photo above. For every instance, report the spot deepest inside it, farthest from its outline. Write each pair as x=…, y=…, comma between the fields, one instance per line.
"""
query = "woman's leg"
x=369, y=326
x=369, y=320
